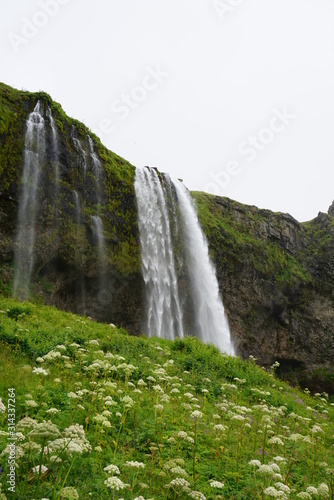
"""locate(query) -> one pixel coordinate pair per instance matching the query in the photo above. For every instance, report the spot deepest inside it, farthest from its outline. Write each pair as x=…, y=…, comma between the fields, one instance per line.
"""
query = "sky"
x=235, y=97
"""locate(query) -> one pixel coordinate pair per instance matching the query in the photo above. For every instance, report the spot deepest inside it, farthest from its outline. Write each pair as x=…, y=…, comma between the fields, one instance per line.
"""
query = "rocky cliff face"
x=276, y=275
x=66, y=269
x=278, y=281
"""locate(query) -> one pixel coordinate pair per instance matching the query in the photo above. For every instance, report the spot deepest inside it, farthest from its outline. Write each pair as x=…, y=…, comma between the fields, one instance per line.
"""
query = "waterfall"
x=164, y=316
x=55, y=147
x=81, y=151
x=175, y=262
x=97, y=169
x=97, y=221
x=80, y=261
x=34, y=155
x=209, y=310
x=101, y=246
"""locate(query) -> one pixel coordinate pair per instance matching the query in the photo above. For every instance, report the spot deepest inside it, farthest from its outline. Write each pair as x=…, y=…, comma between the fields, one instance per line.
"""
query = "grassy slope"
x=253, y=406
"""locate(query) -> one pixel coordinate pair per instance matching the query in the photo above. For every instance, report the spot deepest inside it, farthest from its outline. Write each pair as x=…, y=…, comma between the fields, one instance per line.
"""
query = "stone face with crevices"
x=278, y=310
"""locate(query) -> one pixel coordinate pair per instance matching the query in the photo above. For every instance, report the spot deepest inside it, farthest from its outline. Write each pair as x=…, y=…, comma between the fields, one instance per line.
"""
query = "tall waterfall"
x=169, y=258
x=209, y=310
x=80, y=150
x=101, y=246
x=97, y=169
x=55, y=147
x=164, y=316
x=34, y=155
x=97, y=221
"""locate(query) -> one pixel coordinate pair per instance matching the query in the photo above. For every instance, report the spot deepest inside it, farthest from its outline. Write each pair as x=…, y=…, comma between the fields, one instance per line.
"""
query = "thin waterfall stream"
x=33, y=158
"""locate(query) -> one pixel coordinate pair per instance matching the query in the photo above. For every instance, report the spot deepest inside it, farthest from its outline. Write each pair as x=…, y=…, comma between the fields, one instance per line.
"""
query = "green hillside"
x=130, y=417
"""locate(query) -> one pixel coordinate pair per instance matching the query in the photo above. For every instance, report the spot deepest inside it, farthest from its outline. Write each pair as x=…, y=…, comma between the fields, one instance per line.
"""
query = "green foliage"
x=243, y=243
x=166, y=414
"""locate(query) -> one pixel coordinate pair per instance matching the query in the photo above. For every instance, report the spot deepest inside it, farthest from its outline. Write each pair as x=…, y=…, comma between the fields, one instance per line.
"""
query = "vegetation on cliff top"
x=243, y=243
x=100, y=414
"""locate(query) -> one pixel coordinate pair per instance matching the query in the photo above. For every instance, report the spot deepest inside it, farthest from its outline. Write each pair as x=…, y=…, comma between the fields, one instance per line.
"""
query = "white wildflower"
x=26, y=423
x=112, y=469
x=255, y=463
x=312, y=491
x=178, y=471
x=52, y=411
x=216, y=484
x=323, y=490
x=219, y=427
x=40, y=469
x=276, y=440
x=196, y=414
x=266, y=469
x=68, y=493
x=131, y=463
x=75, y=431
x=283, y=487
x=72, y=395
x=114, y=483
x=179, y=483
x=197, y=495
x=40, y=371
x=271, y=491
x=44, y=431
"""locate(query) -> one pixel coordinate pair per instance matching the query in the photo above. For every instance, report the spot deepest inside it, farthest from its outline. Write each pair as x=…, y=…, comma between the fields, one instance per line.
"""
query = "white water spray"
x=97, y=169
x=164, y=316
x=55, y=147
x=34, y=155
x=209, y=310
x=165, y=313
x=81, y=151
x=101, y=245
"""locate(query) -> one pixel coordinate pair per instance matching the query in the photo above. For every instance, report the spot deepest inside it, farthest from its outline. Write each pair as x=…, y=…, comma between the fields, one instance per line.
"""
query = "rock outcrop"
x=277, y=277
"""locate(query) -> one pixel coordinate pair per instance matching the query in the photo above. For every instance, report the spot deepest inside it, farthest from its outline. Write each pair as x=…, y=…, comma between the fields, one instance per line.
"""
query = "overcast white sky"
x=194, y=87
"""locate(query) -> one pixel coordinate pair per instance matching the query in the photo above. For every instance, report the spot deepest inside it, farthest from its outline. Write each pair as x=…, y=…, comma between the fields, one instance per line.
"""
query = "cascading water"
x=81, y=151
x=101, y=245
x=34, y=155
x=160, y=203
x=164, y=316
x=55, y=147
x=97, y=221
x=209, y=310
x=97, y=169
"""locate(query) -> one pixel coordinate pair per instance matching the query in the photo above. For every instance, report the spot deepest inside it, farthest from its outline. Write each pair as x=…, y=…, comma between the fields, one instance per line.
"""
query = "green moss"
x=244, y=243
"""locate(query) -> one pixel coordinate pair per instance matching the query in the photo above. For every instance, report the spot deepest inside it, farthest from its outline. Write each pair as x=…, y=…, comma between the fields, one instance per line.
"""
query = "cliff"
x=278, y=280
x=66, y=257
x=276, y=275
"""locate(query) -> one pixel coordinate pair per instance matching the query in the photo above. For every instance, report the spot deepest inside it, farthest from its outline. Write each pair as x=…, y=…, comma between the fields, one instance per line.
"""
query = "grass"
x=243, y=241
x=156, y=418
